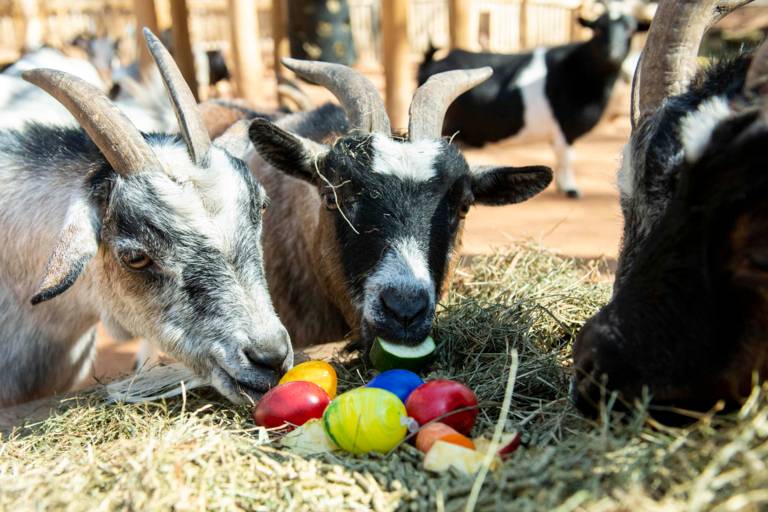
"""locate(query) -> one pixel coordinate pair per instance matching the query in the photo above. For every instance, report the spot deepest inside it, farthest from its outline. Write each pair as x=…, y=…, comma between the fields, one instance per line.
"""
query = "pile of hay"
x=198, y=452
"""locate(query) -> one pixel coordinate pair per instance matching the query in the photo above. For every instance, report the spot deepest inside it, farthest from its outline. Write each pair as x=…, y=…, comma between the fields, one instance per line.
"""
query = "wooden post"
x=523, y=26
x=460, y=17
x=182, y=45
x=280, y=35
x=246, y=53
x=394, y=28
x=146, y=16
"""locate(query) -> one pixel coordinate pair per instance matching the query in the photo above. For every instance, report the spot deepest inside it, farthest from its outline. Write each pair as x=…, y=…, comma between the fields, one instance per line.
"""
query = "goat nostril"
x=405, y=307
x=272, y=357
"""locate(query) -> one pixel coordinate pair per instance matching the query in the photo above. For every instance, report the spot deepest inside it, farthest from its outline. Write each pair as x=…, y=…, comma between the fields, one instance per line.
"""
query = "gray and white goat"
x=157, y=235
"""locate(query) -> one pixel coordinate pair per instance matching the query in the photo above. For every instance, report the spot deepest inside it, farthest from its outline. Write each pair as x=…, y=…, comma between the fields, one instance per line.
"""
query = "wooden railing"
x=497, y=25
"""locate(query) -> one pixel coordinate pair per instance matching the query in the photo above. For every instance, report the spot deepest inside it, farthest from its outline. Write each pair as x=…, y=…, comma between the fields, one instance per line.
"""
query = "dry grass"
x=200, y=453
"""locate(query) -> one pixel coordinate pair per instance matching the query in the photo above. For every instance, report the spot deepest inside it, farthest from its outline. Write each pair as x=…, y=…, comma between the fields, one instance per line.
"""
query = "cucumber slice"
x=391, y=356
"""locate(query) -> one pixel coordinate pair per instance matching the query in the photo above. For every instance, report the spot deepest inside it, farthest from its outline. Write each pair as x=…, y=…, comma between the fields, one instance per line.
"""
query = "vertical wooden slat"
x=146, y=16
x=523, y=25
x=394, y=27
x=460, y=18
x=246, y=54
x=279, y=35
x=182, y=44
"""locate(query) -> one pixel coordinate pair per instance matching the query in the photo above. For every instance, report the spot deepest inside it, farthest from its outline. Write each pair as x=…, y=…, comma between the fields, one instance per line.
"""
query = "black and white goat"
x=370, y=223
x=157, y=235
x=556, y=94
x=688, y=320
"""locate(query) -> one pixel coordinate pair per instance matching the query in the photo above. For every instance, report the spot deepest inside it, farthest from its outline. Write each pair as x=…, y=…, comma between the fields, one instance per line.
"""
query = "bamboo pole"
x=394, y=27
x=146, y=16
x=246, y=55
x=182, y=45
x=460, y=17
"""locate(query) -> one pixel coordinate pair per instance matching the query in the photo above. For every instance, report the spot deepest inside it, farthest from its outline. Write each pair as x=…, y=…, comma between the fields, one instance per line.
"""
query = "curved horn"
x=118, y=139
x=357, y=95
x=431, y=100
x=190, y=121
x=669, y=57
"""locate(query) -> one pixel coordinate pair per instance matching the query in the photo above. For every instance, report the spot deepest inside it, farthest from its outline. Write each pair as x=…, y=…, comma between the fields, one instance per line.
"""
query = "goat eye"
x=263, y=207
x=136, y=260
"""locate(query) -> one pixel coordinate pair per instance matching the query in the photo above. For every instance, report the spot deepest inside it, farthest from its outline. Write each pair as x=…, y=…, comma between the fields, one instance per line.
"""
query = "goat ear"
x=292, y=154
x=507, y=185
x=78, y=243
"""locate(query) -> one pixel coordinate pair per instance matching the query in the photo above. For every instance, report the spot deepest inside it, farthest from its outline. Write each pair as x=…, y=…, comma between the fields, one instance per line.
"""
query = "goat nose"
x=272, y=351
x=405, y=307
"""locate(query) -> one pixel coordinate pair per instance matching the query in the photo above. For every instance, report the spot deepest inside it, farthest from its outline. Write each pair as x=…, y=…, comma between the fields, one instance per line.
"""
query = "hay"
x=197, y=452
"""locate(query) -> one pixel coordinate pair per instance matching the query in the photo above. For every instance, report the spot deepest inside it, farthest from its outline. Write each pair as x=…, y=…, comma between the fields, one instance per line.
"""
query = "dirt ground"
x=587, y=227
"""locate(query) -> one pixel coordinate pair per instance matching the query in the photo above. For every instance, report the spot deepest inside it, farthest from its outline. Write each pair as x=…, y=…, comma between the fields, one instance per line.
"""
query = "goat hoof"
x=572, y=194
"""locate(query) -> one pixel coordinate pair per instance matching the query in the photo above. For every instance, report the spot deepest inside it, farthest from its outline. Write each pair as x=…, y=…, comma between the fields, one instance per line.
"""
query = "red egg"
x=292, y=403
x=437, y=398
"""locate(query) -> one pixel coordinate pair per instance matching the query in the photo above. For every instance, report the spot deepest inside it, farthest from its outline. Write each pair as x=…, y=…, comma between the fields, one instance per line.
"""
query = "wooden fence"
x=496, y=25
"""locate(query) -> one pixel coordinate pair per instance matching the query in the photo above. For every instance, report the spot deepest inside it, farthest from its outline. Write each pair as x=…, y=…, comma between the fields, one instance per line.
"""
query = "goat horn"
x=431, y=100
x=357, y=95
x=669, y=57
x=113, y=133
x=191, y=123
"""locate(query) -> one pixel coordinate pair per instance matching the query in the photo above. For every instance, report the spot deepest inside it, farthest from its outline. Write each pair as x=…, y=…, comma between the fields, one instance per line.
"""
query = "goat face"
x=689, y=315
x=612, y=34
x=390, y=218
x=169, y=228
x=174, y=255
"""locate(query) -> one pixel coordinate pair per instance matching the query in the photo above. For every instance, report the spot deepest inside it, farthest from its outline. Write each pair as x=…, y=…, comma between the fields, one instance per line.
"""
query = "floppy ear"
x=507, y=185
x=292, y=154
x=78, y=243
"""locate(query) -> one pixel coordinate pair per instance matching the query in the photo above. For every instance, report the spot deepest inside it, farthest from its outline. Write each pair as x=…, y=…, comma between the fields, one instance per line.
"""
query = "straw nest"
x=197, y=452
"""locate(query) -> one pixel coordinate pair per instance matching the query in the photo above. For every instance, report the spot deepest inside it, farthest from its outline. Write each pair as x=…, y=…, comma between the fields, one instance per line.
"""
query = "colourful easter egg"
x=437, y=399
x=399, y=382
x=366, y=420
x=317, y=372
x=292, y=403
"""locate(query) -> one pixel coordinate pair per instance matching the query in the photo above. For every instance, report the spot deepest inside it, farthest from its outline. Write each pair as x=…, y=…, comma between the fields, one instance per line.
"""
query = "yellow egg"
x=366, y=420
x=316, y=372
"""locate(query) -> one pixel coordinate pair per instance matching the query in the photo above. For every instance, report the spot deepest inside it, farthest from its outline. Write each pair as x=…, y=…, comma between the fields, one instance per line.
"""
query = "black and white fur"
x=370, y=223
x=556, y=94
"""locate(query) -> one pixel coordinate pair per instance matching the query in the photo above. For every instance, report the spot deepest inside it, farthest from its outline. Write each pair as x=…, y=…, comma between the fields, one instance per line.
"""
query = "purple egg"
x=399, y=382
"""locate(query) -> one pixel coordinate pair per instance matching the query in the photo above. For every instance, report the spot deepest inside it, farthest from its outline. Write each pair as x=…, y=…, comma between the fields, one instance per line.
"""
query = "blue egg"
x=399, y=382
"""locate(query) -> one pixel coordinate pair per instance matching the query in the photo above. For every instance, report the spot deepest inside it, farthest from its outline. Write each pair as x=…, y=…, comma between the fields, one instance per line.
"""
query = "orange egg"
x=316, y=372
x=459, y=440
x=431, y=433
